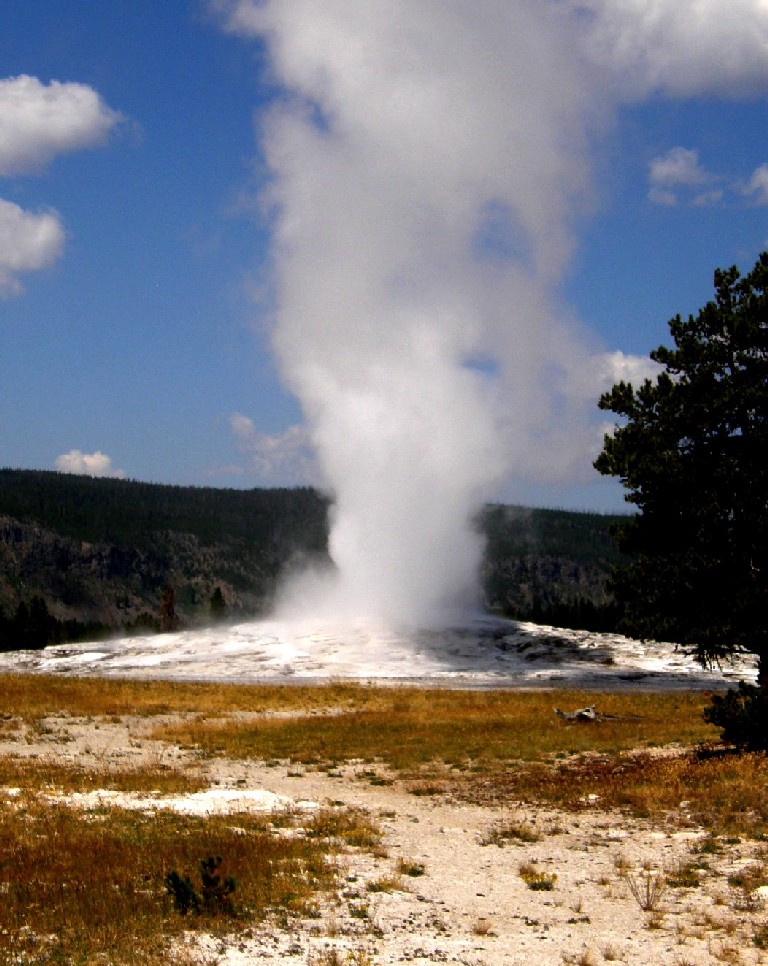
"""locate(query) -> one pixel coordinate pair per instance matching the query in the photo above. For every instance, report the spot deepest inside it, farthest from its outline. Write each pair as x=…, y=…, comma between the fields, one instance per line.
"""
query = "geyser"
x=419, y=181
x=425, y=159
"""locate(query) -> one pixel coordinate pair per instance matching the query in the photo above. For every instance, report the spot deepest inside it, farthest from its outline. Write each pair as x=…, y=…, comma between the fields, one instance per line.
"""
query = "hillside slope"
x=99, y=550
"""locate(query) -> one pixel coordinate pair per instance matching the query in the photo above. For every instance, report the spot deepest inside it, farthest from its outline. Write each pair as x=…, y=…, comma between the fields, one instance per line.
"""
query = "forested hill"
x=549, y=566
x=104, y=551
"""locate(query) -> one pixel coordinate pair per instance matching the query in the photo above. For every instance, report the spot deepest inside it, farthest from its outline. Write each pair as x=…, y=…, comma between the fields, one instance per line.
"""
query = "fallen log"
x=592, y=714
x=581, y=714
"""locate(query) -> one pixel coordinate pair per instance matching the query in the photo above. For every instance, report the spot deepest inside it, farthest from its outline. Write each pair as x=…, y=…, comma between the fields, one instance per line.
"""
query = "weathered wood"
x=581, y=714
x=591, y=714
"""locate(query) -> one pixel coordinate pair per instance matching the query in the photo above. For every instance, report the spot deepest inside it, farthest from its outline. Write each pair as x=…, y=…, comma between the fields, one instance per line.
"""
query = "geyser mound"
x=485, y=652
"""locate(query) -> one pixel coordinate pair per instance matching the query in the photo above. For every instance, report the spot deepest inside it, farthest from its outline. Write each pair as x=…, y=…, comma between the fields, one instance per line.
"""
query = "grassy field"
x=98, y=886
x=408, y=728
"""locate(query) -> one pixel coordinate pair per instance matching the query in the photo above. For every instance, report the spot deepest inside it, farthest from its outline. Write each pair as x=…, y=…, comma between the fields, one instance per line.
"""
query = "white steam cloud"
x=757, y=186
x=87, y=464
x=681, y=48
x=426, y=158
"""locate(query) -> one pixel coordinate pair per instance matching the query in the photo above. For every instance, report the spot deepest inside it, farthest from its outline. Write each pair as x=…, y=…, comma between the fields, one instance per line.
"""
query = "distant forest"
x=82, y=557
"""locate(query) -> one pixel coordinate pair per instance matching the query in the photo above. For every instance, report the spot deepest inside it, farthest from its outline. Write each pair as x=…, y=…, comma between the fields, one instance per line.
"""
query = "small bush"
x=505, y=832
x=183, y=893
x=411, y=868
x=647, y=888
x=215, y=895
x=743, y=716
x=537, y=880
x=685, y=876
x=387, y=883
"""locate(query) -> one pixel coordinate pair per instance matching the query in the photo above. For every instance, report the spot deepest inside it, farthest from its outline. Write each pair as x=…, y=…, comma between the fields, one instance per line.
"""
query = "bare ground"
x=470, y=904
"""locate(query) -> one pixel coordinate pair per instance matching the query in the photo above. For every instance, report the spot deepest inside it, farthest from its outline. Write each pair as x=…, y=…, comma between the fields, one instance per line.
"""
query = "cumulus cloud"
x=28, y=242
x=285, y=458
x=757, y=186
x=678, y=177
x=87, y=464
x=39, y=121
x=679, y=169
x=679, y=166
x=613, y=367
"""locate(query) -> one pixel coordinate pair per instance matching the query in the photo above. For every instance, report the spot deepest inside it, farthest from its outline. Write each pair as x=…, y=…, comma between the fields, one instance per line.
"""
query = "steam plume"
x=426, y=158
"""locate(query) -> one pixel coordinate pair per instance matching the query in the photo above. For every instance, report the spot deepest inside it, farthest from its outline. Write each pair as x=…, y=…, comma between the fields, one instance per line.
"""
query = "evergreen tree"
x=169, y=620
x=218, y=605
x=692, y=450
x=41, y=627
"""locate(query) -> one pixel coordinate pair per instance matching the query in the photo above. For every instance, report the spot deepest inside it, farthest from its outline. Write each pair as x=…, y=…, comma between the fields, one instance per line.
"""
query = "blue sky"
x=136, y=339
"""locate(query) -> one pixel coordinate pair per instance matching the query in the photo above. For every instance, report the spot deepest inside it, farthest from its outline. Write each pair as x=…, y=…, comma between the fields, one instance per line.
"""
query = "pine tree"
x=218, y=605
x=692, y=451
x=169, y=620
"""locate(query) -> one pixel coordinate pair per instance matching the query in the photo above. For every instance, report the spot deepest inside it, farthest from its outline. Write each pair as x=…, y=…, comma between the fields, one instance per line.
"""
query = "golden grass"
x=41, y=775
x=490, y=747
x=31, y=696
x=406, y=728
x=722, y=792
x=497, y=747
x=88, y=888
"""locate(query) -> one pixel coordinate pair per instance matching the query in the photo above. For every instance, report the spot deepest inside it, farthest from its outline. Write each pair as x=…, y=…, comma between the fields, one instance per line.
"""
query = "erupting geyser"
x=426, y=157
x=420, y=172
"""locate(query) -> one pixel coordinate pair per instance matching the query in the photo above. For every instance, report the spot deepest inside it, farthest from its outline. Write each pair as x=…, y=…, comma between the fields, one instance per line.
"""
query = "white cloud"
x=757, y=186
x=663, y=196
x=679, y=166
x=87, y=464
x=28, y=242
x=613, y=367
x=39, y=121
x=678, y=47
x=679, y=169
x=704, y=199
x=678, y=177
x=286, y=459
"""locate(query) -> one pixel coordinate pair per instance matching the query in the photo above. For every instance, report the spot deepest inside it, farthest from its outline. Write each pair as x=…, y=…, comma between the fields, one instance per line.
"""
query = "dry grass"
x=87, y=888
x=723, y=792
x=537, y=879
x=647, y=888
x=492, y=746
x=31, y=697
x=41, y=775
x=505, y=832
x=91, y=887
x=496, y=747
x=407, y=727
x=410, y=867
